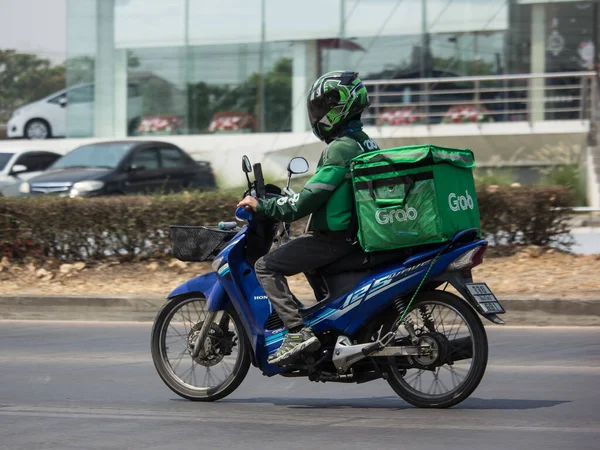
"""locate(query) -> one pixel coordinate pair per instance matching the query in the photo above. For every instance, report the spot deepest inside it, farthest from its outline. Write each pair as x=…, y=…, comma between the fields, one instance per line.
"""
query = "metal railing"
x=531, y=97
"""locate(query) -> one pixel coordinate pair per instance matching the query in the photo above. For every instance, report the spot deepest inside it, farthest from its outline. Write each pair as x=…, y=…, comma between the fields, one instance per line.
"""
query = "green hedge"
x=532, y=215
x=138, y=227
x=99, y=228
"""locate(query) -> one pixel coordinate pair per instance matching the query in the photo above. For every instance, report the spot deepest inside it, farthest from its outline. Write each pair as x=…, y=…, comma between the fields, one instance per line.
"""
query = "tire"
x=165, y=370
x=37, y=129
x=479, y=356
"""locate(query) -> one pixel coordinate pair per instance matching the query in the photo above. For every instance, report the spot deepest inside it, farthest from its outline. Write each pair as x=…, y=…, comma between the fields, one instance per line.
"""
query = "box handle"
x=408, y=182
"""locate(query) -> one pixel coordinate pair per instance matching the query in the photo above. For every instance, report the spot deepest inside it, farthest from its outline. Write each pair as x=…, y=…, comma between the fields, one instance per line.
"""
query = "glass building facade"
x=139, y=67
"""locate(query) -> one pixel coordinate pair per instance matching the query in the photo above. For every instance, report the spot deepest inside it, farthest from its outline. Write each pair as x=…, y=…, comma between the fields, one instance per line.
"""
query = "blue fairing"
x=202, y=283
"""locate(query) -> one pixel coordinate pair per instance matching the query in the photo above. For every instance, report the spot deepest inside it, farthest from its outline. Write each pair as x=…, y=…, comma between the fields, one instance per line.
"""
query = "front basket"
x=197, y=244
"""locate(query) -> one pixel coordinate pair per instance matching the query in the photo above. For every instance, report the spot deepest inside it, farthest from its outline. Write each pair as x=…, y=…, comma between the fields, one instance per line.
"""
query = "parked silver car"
x=20, y=165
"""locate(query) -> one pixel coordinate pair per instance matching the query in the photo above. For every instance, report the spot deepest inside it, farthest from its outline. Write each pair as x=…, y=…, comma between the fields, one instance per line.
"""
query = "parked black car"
x=122, y=167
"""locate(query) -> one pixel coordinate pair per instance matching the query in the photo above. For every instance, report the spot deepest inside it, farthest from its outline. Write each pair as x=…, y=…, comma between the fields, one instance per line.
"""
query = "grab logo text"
x=460, y=202
x=385, y=217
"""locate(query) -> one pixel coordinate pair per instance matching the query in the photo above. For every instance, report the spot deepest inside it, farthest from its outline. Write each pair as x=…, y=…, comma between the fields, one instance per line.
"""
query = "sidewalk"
x=520, y=310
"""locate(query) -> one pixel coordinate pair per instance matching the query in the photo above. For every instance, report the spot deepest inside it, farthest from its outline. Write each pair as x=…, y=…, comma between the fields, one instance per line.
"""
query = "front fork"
x=199, y=344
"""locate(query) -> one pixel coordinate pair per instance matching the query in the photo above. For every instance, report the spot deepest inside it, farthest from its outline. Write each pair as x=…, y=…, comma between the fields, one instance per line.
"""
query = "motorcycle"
x=378, y=315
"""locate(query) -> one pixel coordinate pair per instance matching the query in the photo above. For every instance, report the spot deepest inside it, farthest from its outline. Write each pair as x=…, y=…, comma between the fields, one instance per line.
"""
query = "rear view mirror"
x=298, y=165
x=62, y=101
x=18, y=168
x=246, y=166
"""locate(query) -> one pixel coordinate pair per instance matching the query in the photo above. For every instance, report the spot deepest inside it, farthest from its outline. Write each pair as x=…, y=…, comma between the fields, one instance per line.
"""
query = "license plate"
x=484, y=297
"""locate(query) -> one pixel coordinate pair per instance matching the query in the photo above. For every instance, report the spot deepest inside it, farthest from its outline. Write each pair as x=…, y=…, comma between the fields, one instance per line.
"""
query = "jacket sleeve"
x=315, y=193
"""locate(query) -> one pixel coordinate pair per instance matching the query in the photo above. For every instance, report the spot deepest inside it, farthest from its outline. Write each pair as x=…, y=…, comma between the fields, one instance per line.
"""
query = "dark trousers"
x=302, y=254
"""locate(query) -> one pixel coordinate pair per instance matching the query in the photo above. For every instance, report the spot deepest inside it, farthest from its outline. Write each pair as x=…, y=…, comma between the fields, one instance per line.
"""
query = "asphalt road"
x=92, y=386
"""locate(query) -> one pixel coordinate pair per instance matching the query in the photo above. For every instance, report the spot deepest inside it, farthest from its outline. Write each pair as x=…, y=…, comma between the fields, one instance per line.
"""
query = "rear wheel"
x=221, y=367
x=458, y=361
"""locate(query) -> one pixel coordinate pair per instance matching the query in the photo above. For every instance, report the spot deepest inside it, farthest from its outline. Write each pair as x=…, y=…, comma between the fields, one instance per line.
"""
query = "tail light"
x=469, y=259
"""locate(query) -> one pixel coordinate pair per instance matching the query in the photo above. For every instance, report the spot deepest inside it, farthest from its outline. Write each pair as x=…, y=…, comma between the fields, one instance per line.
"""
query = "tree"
x=25, y=78
x=81, y=69
x=205, y=100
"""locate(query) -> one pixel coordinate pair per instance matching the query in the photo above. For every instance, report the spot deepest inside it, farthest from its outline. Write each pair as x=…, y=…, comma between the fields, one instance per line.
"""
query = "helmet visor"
x=317, y=109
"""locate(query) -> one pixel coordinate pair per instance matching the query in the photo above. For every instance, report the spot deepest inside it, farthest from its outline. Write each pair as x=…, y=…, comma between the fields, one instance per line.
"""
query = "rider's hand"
x=248, y=202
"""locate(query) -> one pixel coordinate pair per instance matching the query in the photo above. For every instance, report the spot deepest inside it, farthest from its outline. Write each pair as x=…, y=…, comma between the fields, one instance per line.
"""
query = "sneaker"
x=293, y=344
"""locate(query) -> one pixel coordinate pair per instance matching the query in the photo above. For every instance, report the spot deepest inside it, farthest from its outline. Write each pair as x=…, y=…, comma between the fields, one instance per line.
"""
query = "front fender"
x=208, y=285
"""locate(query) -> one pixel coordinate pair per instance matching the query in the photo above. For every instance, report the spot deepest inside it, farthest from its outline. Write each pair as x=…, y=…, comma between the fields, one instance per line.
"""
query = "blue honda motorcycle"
x=378, y=315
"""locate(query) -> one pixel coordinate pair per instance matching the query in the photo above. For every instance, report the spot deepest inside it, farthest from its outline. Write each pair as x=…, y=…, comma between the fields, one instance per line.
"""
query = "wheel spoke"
x=184, y=375
x=439, y=380
x=199, y=318
x=183, y=336
x=179, y=358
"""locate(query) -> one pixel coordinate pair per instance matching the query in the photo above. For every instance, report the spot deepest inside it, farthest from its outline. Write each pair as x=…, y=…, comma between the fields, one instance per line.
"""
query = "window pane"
x=84, y=94
x=147, y=158
x=94, y=155
x=171, y=157
x=34, y=162
x=4, y=158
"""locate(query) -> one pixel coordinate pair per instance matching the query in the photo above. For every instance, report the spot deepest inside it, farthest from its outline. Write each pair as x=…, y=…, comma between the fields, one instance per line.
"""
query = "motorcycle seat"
x=361, y=261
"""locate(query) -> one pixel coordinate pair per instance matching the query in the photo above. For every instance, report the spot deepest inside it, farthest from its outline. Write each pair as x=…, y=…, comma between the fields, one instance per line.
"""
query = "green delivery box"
x=415, y=195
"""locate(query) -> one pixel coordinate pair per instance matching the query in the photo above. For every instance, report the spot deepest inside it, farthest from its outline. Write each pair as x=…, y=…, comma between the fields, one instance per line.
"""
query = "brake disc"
x=216, y=346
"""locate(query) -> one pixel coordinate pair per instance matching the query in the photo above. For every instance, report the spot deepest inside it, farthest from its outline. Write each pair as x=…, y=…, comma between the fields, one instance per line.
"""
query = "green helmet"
x=334, y=99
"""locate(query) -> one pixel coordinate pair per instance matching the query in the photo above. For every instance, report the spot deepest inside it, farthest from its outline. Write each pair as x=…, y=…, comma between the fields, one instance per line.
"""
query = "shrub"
x=135, y=227
x=535, y=215
x=567, y=168
x=502, y=176
x=99, y=228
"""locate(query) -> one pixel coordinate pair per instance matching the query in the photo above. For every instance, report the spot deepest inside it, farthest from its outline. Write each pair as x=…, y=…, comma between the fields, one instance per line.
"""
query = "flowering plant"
x=466, y=114
x=231, y=121
x=159, y=124
x=404, y=116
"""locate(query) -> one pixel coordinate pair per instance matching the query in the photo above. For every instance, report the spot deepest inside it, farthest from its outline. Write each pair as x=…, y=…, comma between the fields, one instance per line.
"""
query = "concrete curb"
x=520, y=311
x=80, y=307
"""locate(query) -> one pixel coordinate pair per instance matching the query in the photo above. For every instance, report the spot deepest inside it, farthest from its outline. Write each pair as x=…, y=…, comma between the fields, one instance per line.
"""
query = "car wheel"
x=37, y=129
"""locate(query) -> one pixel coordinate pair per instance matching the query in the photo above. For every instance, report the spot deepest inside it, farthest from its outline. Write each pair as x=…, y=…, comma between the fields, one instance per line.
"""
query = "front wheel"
x=222, y=365
x=453, y=370
x=37, y=129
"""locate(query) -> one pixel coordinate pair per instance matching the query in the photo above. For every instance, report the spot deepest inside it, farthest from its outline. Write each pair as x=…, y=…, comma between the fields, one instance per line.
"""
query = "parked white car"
x=17, y=166
x=48, y=117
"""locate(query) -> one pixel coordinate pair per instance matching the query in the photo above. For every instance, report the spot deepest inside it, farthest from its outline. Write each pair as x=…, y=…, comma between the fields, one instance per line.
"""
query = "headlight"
x=86, y=186
x=24, y=188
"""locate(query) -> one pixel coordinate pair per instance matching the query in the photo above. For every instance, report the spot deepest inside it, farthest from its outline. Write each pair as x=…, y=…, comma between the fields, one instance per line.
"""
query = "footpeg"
x=372, y=348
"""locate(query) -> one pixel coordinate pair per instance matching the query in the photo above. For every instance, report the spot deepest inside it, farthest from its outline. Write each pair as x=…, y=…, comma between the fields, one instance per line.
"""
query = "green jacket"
x=328, y=194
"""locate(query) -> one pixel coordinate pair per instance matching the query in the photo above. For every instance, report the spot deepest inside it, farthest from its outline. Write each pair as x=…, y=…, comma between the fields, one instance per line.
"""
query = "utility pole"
x=261, y=70
x=342, y=19
x=423, y=57
x=186, y=69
